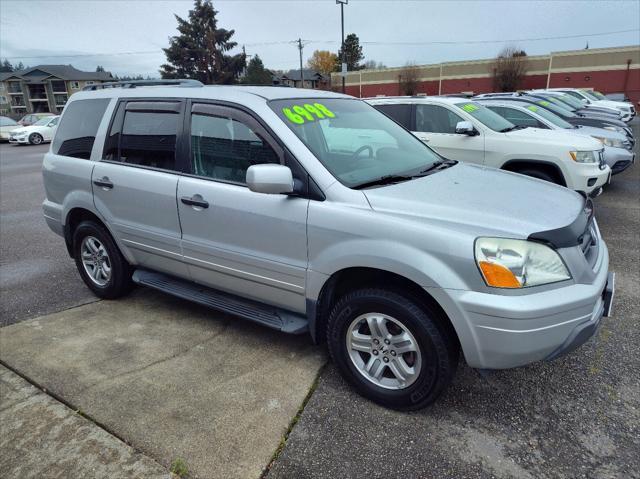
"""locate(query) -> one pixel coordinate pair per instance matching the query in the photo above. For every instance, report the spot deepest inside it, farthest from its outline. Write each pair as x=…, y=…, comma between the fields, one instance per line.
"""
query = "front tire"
x=35, y=139
x=393, y=349
x=99, y=261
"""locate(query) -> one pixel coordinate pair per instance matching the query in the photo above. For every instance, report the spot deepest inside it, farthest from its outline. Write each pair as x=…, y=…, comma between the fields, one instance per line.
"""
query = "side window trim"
x=169, y=105
x=214, y=109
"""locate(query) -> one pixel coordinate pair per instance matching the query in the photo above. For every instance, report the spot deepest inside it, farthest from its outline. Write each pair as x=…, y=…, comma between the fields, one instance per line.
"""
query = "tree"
x=19, y=66
x=409, y=80
x=200, y=50
x=352, y=54
x=257, y=74
x=99, y=68
x=6, y=66
x=374, y=65
x=323, y=61
x=509, y=69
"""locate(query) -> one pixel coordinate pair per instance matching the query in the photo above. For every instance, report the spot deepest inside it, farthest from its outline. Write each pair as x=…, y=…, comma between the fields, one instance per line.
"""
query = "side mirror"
x=465, y=128
x=270, y=179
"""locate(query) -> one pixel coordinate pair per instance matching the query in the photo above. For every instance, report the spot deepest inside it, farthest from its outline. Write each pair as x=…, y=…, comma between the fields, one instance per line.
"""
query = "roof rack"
x=137, y=83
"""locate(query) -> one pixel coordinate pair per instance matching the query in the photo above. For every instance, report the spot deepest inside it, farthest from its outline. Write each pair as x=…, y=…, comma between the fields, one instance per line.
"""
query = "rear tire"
x=541, y=175
x=99, y=261
x=369, y=326
x=35, y=139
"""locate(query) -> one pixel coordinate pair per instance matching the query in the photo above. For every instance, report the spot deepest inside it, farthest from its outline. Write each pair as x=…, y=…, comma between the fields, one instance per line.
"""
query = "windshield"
x=558, y=102
x=550, y=117
x=558, y=110
x=43, y=121
x=589, y=94
x=574, y=103
x=353, y=140
x=598, y=95
x=6, y=121
x=485, y=116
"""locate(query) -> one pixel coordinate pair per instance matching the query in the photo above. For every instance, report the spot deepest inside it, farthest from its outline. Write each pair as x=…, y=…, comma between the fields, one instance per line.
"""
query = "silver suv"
x=309, y=211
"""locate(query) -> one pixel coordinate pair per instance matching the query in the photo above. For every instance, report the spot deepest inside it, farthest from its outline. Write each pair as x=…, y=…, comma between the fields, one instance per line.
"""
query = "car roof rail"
x=139, y=83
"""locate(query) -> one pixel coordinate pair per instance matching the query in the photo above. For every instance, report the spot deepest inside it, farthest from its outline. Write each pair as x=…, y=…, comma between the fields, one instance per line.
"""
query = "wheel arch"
x=352, y=278
x=516, y=164
x=77, y=215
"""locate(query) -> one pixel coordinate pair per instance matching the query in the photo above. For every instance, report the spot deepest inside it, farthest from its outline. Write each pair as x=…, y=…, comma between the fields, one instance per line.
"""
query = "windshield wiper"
x=437, y=165
x=513, y=128
x=383, y=180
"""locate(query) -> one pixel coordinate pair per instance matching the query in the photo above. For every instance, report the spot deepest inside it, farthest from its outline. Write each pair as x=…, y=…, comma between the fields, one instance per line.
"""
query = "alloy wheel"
x=95, y=260
x=384, y=351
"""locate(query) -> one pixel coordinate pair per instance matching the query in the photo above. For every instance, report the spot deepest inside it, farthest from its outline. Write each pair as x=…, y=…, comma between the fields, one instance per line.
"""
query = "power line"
x=284, y=42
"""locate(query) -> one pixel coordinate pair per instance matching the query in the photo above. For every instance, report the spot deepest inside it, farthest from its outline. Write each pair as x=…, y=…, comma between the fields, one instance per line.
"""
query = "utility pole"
x=343, y=66
x=301, y=74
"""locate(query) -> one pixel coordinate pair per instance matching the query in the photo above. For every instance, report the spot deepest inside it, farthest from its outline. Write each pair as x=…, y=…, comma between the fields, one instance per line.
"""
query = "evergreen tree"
x=352, y=53
x=200, y=50
x=99, y=68
x=257, y=74
x=6, y=66
x=19, y=66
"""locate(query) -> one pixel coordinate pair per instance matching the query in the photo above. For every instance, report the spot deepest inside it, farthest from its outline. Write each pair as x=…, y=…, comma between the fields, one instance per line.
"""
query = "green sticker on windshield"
x=299, y=114
x=469, y=107
x=543, y=103
x=532, y=108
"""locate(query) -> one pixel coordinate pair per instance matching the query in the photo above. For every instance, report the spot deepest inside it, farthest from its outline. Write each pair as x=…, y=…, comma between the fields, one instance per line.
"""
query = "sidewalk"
x=173, y=379
x=42, y=438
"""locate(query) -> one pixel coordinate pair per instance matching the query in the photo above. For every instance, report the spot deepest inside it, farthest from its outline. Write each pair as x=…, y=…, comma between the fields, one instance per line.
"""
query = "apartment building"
x=43, y=88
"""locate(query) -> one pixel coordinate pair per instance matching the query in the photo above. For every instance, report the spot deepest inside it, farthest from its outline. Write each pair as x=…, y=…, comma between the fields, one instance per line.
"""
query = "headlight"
x=584, y=156
x=619, y=129
x=610, y=142
x=509, y=263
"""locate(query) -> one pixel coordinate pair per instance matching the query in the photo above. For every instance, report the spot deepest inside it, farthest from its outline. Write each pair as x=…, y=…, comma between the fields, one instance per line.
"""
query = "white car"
x=618, y=150
x=7, y=125
x=464, y=130
x=595, y=98
x=41, y=131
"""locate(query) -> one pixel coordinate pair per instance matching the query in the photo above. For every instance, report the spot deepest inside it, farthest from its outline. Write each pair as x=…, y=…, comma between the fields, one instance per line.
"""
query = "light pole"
x=342, y=3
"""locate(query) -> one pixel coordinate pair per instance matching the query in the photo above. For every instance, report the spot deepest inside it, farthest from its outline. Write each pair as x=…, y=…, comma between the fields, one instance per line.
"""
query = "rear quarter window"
x=78, y=127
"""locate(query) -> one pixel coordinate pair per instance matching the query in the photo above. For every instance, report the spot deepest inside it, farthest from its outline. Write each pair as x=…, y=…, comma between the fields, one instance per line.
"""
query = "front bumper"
x=588, y=178
x=506, y=331
x=21, y=140
x=618, y=159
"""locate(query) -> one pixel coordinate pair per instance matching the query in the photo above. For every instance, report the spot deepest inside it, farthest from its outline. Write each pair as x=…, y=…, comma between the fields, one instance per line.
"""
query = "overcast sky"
x=126, y=37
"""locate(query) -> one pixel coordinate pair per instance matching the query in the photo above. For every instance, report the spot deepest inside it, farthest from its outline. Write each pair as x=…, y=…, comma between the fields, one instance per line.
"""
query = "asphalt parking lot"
x=576, y=417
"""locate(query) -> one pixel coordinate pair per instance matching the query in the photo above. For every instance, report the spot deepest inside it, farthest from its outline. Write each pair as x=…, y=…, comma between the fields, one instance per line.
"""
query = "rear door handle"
x=103, y=182
x=193, y=201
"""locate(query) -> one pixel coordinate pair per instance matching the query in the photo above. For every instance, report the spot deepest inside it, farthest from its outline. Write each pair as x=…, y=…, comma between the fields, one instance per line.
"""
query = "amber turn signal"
x=498, y=276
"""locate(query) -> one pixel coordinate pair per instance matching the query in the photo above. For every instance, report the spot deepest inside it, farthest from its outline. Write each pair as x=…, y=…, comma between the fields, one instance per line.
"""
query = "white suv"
x=465, y=130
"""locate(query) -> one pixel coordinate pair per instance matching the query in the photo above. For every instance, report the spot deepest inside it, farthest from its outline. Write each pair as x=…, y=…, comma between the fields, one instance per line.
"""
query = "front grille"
x=589, y=244
x=602, y=163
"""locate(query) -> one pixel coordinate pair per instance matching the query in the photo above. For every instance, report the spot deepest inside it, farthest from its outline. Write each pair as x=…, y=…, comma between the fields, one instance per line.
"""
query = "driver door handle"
x=192, y=201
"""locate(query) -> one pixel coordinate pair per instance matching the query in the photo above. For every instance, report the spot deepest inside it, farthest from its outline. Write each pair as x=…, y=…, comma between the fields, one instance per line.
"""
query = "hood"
x=25, y=129
x=558, y=137
x=599, y=132
x=480, y=201
x=612, y=104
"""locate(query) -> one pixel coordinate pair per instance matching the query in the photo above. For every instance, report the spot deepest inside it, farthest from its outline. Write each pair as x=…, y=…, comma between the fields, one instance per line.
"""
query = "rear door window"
x=400, y=113
x=77, y=130
x=144, y=134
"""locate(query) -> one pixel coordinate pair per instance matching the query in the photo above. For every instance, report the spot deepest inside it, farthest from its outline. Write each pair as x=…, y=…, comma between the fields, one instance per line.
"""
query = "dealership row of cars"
x=564, y=136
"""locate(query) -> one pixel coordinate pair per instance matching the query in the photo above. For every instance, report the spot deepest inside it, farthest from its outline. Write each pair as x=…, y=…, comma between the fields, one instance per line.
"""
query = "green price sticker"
x=532, y=108
x=469, y=107
x=543, y=103
x=299, y=114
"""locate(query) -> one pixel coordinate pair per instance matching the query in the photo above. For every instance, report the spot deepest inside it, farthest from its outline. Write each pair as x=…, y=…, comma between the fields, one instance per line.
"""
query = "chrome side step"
x=272, y=317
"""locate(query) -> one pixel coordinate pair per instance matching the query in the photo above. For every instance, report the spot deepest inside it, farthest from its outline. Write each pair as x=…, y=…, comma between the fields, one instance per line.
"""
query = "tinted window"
x=436, y=119
x=400, y=113
x=145, y=137
x=78, y=128
x=223, y=148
